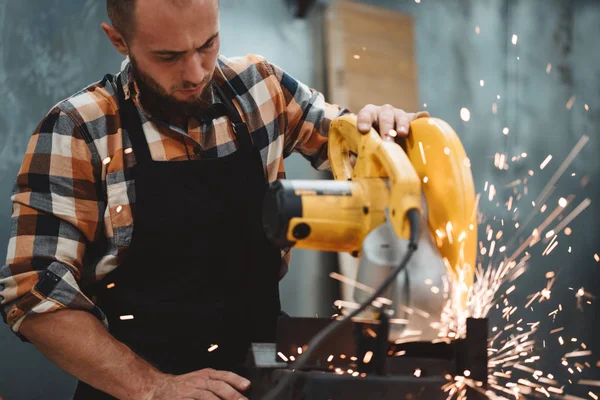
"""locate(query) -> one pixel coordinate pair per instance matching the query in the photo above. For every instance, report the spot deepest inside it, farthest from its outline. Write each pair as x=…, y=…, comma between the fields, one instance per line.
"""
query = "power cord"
x=313, y=345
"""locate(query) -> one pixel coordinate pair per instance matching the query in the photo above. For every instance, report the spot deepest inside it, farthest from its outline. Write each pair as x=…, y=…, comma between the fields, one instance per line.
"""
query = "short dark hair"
x=122, y=16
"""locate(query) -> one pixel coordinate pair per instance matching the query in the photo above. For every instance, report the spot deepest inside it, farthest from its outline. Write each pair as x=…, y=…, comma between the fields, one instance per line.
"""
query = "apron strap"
x=131, y=121
x=240, y=129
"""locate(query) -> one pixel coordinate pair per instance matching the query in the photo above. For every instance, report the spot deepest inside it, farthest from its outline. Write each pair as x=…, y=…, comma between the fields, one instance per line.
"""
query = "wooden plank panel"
x=370, y=59
x=370, y=54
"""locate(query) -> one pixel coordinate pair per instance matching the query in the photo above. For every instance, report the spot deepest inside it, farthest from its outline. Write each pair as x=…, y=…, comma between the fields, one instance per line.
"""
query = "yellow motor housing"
x=337, y=215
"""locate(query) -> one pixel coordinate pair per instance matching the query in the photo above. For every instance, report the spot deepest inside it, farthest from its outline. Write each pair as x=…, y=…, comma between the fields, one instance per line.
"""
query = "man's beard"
x=160, y=104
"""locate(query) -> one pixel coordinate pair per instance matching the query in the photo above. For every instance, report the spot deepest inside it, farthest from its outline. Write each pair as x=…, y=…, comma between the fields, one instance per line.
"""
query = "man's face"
x=174, y=49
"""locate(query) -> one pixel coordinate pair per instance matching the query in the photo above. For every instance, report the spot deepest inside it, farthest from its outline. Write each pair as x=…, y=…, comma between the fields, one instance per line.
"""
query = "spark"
x=505, y=131
x=589, y=383
x=548, y=68
x=477, y=30
x=562, y=202
x=417, y=372
x=545, y=162
x=213, y=348
x=587, y=108
x=357, y=56
x=346, y=304
x=106, y=161
x=128, y=150
x=422, y=153
x=570, y=103
x=351, y=282
x=551, y=246
x=563, y=167
x=596, y=257
x=282, y=356
x=492, y=192
x=367, y=357
x=481, y=82
x=125, y=317
x=578, y=210
x=465, y=114
x=515, y=38
x=110, y=285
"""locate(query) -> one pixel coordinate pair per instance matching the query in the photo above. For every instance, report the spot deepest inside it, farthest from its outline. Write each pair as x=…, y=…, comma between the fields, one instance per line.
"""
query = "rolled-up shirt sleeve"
x=57, y=211
x=308, y=118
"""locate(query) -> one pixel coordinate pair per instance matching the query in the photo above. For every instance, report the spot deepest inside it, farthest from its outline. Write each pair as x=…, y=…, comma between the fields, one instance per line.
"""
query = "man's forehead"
x=176, y=24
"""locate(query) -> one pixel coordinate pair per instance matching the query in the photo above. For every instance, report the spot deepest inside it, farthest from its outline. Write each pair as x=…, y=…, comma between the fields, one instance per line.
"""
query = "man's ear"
x=115, y=38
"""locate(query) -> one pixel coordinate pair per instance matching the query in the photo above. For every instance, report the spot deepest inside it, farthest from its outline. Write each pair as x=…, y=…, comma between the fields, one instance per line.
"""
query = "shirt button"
x=197, y=150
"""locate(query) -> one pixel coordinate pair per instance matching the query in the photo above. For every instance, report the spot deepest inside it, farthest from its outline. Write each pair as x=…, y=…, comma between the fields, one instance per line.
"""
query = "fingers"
x=366, y=117
x=230, y=378
x=390, y=121
x=222, y=390
x=386, y=120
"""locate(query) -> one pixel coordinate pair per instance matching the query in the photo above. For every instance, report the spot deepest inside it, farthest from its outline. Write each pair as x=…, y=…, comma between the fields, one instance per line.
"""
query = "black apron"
x=199, y=271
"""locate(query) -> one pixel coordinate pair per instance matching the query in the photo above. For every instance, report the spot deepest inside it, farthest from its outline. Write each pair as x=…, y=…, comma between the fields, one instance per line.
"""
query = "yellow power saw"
x=369, y=208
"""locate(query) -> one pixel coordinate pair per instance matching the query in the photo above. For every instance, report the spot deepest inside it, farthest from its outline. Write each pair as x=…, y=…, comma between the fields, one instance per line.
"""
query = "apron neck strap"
x=132, y=123
x=240, y=129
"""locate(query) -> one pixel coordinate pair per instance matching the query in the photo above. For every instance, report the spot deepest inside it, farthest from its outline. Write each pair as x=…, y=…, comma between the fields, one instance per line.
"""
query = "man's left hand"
x=390, y=122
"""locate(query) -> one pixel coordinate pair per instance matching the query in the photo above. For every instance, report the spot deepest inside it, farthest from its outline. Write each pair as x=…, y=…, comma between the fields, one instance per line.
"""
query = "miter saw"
x=408, y=212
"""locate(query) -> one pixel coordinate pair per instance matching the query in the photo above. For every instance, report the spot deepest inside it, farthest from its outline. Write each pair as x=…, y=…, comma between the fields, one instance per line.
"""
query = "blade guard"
x=435, y=156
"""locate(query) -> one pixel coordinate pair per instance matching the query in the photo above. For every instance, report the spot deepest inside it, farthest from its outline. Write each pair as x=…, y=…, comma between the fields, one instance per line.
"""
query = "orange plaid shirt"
x=74, y=197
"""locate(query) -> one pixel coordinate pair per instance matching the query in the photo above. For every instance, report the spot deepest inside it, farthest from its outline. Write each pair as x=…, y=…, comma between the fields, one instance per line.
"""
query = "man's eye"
x=207, y=46
x=169, y=58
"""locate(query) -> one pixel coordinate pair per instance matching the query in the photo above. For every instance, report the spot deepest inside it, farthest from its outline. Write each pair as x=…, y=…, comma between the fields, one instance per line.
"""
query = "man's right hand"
x=206, y=384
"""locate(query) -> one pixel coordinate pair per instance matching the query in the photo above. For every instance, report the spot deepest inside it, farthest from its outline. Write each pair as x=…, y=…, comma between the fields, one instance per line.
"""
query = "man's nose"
x=194, y=72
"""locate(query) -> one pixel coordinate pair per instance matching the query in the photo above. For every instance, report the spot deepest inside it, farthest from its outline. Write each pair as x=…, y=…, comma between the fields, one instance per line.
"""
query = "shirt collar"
x=127, y=80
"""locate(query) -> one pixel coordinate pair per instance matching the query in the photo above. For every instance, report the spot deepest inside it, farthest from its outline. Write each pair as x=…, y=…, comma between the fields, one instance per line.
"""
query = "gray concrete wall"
x=51, y=48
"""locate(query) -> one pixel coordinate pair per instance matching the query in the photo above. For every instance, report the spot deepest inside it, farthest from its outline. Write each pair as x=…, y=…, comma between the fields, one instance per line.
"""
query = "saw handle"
x=376, y=158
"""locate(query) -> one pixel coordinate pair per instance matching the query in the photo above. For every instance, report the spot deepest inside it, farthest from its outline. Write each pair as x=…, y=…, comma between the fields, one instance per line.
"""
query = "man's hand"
x=206, y=384
x=389, y=121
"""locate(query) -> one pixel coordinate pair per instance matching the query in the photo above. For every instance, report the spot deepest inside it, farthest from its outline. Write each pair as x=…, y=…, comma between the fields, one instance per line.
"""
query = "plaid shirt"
x=72, y=217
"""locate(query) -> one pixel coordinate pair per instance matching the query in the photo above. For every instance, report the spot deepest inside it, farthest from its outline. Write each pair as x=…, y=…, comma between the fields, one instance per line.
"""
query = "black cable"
x=414, y=220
